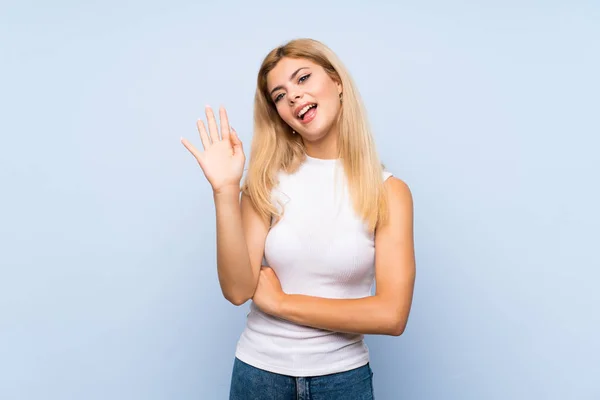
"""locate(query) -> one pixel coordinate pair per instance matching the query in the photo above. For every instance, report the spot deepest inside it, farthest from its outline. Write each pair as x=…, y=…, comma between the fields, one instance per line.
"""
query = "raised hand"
x=222, y=160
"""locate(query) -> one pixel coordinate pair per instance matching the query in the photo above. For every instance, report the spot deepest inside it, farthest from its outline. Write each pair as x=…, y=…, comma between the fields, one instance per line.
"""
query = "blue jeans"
x=251, y=383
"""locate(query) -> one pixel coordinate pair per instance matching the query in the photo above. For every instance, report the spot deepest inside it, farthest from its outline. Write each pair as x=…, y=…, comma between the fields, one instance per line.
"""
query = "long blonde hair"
x=274, y=147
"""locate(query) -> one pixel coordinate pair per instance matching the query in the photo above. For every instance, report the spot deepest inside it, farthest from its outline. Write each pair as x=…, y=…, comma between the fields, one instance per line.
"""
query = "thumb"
x=235, y=140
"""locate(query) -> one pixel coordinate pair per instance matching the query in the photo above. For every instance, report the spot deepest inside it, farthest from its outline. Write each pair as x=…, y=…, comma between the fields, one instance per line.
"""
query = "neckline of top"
x=321, y=161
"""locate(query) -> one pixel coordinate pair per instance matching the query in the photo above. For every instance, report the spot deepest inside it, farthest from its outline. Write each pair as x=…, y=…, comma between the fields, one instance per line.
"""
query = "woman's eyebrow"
x=291, y=78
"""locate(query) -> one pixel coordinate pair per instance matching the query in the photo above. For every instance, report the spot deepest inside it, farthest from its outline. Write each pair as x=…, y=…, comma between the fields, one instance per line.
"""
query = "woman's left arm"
x=384, y=313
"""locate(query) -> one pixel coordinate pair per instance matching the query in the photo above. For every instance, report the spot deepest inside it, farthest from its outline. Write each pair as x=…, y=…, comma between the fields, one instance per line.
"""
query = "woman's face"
x=306, y=98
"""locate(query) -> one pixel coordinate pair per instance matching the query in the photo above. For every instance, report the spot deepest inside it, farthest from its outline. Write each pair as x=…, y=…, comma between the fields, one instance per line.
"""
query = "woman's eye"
x=304, y=77
x=279, y=96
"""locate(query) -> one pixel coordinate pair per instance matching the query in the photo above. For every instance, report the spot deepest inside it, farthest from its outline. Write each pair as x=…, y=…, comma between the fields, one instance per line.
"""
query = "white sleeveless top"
x=318, y=248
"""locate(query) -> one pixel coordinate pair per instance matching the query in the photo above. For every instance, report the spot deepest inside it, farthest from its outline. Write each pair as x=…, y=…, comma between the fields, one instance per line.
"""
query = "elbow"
x=395, y=318
x=237, y=299
x=397, y=330
x=392, y=314
x=396, y=326
x=238, y=294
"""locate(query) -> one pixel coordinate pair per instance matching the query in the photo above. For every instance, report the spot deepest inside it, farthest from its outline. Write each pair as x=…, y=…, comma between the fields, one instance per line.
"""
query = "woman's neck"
x=326, y=148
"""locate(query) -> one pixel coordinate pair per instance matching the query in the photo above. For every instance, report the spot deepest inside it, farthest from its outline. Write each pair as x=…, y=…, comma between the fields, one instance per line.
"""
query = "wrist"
x=283, y=305
x=227, y=192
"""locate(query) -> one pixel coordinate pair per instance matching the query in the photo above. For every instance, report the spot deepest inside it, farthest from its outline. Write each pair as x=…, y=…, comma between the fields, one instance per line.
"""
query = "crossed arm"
x=384, y=313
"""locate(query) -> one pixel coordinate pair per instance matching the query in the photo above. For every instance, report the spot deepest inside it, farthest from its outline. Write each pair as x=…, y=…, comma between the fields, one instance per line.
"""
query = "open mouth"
x=308, y=112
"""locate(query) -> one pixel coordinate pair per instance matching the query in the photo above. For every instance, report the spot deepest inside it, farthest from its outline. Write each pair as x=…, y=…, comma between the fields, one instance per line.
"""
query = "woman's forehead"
x=285, y=68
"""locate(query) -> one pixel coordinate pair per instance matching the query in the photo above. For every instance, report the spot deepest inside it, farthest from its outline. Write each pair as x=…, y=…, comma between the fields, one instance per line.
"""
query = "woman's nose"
x=294, y=97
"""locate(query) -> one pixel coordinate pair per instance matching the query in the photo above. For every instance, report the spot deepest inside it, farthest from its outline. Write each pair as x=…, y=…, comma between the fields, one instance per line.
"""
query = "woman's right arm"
x=241, y=232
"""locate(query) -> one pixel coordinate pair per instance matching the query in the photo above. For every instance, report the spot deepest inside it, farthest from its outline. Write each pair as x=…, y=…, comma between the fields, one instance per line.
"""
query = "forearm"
x=368, y=315
x=234, y=269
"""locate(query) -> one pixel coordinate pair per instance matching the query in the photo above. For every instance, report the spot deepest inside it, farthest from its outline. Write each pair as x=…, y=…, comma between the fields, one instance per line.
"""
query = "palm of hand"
x=221, y=165
x=223, y=159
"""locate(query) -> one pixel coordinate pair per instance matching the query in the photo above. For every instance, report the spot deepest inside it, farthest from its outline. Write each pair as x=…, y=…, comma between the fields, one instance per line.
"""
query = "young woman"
x=319, y=221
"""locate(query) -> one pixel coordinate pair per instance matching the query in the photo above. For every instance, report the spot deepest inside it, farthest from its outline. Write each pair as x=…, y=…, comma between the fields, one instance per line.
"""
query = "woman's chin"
x=311, y=136
x=315, y=133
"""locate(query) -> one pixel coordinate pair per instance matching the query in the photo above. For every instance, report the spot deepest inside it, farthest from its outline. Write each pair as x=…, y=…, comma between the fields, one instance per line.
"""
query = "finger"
x=212, y=125
x=203, y=135
x=191, y=148
x=224, y=123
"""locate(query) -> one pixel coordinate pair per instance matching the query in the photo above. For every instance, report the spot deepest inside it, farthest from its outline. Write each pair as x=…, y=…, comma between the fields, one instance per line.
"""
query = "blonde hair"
x=274, y=147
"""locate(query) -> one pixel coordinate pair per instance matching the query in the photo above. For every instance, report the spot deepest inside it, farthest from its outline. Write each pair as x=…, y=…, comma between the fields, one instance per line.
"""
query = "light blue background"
x=489, y=110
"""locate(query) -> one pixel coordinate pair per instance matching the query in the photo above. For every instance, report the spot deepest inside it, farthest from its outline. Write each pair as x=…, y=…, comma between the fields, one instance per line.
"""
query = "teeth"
x=305, y=109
